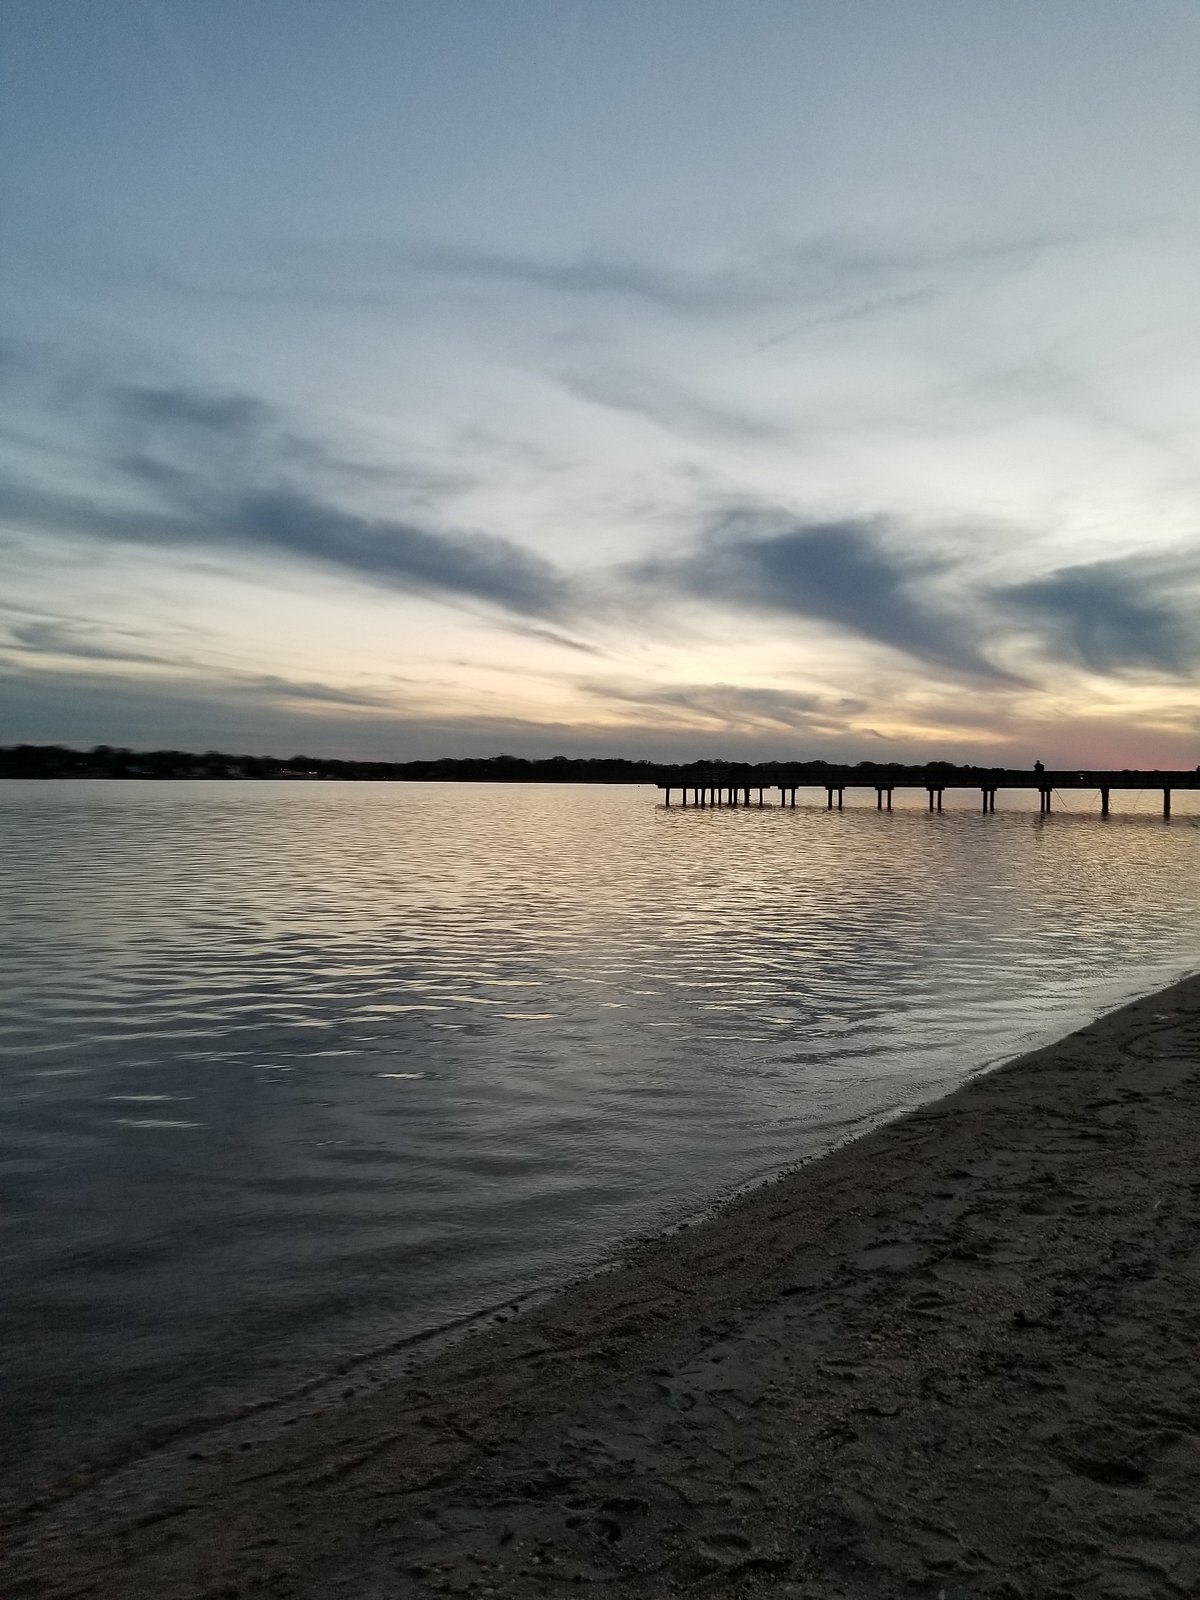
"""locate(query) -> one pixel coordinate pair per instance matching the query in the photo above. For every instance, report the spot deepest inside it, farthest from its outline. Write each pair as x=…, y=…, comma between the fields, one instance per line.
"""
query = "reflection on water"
x=296, y=1070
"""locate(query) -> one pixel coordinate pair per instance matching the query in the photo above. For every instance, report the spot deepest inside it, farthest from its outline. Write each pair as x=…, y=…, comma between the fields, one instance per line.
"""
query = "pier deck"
x=719, y=786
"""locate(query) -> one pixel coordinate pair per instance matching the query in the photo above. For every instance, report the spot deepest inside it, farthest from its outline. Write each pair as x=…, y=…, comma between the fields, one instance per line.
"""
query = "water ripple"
x=295, y=1069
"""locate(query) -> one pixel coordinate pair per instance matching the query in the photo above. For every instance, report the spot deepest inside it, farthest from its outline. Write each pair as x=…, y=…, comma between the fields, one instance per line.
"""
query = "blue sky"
x=666, y=379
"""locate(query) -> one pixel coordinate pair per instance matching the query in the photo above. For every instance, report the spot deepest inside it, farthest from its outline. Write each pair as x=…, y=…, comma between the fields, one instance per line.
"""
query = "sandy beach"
x=955, y=1358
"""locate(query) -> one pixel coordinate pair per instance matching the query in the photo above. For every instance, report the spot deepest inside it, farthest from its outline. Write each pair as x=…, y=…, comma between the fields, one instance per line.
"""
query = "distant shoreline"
x=107, y=761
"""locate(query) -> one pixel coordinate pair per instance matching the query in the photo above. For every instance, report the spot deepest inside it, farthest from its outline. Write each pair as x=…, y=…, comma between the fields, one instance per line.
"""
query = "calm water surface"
x=292, y=1072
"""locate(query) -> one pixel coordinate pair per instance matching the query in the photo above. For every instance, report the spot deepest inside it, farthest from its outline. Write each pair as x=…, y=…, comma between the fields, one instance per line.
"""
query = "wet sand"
x=958, y=1357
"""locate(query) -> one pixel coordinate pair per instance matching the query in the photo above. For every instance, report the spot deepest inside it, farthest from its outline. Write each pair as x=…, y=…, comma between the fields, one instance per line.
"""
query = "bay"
x=295, y=1074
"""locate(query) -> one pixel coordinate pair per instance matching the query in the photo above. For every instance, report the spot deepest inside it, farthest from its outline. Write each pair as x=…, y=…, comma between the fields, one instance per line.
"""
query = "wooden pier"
x=718, y=786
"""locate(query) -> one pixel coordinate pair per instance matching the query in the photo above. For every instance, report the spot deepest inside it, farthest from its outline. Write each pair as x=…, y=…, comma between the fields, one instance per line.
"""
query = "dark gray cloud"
x=1134, y=614
x=218, y=472
x=274, y=689
x=159, y=434
x=852, y=573
x=228, y=414
x=399, y=554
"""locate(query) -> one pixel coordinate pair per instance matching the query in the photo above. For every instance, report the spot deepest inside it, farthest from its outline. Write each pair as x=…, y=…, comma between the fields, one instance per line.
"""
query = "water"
x=296, y=1071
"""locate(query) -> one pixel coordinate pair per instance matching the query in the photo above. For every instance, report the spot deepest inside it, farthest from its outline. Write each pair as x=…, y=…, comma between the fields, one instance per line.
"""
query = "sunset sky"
x=674, y=378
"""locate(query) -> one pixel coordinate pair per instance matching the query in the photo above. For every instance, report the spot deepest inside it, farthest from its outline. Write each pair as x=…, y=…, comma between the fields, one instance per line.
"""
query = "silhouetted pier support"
x=726, y=788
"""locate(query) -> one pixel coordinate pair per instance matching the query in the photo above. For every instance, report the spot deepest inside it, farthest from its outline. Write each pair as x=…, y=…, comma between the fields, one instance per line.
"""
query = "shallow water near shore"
x=292, y=1072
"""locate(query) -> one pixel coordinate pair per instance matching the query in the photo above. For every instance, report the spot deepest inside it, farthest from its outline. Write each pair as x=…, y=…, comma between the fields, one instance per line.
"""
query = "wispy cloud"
x=49, y=642
x=860, y=311
x=221, y=472
x=78, y=642
x=666, y=403
x=787, y=271
x=554, y=636
x=253, y=712
x=737, y=707
x=667, y=288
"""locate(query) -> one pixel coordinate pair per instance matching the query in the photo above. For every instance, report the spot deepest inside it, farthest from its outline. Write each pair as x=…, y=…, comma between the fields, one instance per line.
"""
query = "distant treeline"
x=107, y=761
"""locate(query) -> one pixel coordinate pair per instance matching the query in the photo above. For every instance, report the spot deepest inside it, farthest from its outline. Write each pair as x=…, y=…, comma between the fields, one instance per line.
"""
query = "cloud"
x=858, y=312
x=663, y=402
x=27, y=507
x=734, y=706
x=1133, y=614
x=666, y=288
x=228, y=414
x=817, y=267
x=850, y=573
x=82, y=643
x=218, y=472
x=161, y=432
x=401, y=555
x=45, y=641
x=274, y=689
x=566, y=641
x=266, y=717
x=261, y=714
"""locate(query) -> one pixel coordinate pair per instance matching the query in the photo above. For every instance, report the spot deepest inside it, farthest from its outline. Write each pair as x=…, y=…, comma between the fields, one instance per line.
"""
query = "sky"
x=673, y=379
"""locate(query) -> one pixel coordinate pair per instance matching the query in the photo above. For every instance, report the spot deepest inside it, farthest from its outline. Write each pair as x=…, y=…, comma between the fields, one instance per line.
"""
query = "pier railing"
x=726, y=786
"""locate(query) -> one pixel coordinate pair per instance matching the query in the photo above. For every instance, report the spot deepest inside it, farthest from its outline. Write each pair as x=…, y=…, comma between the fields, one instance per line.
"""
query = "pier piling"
x=728, y=787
